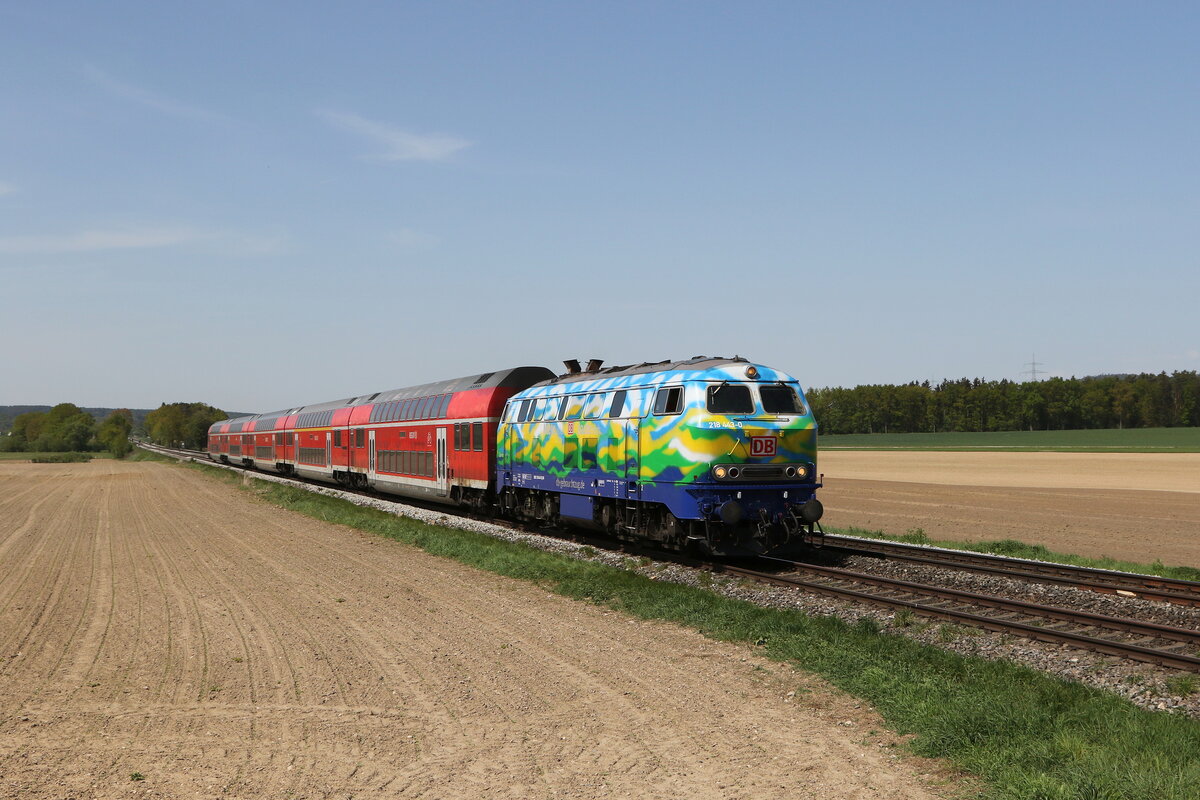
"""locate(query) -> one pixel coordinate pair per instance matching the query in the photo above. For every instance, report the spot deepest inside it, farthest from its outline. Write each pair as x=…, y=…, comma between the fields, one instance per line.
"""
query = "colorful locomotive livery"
x=719, y=454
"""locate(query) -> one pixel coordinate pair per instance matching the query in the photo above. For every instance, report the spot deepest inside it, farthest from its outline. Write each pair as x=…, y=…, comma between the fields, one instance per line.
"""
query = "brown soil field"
x=1131, y=506
x=165, y=635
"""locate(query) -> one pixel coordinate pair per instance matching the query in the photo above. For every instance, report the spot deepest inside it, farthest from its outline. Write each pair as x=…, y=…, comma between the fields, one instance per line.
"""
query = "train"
x=715, y=455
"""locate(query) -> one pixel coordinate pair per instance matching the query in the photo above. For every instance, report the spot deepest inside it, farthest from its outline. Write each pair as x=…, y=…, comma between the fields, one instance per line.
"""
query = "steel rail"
x=824, y=580
x=1147, y=587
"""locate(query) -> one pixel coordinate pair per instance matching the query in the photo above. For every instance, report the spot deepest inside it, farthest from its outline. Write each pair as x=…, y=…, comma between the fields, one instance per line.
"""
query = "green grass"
x=53, y=458
x=1027, y=735
x=1016, y=549
x=1129, y=440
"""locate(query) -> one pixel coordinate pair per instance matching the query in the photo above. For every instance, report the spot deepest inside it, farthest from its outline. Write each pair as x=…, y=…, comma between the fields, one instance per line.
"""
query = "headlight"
x=719, y=472
x=801, y=472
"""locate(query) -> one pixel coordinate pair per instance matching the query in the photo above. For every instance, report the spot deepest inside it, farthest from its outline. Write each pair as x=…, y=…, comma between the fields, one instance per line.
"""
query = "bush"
x=61, y=458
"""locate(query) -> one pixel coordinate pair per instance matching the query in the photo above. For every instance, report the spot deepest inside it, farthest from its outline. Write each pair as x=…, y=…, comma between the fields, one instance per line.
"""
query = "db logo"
x=762, y=446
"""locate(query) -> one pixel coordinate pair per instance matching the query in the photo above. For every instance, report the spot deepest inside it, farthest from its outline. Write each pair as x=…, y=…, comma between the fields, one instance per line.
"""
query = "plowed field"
x=1132, y=506
x=165, y=635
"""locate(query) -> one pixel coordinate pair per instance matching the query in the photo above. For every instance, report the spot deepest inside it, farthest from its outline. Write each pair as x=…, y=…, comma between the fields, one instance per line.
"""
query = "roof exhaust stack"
x=594, y=365
x=572, y=366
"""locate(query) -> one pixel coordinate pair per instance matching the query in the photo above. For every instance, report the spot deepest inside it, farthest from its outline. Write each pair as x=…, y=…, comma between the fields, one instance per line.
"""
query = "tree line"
x=1106, y=401
x=182, y=424
x=68, y=428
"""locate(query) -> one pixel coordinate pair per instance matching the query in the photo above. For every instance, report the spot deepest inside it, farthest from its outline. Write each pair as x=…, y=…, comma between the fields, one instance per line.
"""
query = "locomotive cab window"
x=781, y=399
x=730, y=398
x=669, y=400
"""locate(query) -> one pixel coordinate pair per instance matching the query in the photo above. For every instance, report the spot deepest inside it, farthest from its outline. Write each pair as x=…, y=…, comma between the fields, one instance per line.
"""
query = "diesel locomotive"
x=716, y=454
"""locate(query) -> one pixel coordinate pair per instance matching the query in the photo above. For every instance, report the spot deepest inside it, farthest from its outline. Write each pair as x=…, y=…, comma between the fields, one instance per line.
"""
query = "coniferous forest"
x=1106, y=401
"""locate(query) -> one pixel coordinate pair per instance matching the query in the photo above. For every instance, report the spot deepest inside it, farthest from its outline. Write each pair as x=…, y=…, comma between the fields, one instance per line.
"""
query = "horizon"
x=807, y=389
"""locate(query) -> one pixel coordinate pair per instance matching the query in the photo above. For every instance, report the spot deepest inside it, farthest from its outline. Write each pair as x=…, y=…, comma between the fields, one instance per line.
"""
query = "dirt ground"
x=1131, y=506
x=164, y=635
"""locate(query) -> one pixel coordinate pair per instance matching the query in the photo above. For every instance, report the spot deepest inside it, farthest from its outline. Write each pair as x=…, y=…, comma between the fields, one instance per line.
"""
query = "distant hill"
x=9, y=413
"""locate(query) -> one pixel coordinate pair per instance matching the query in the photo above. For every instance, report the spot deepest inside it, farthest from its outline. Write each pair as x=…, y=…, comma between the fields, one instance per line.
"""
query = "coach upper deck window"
x=730, y=398
x=669, y=400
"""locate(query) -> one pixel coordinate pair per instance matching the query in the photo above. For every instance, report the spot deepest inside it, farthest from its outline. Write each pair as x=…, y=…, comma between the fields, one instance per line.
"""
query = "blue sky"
x=262, y=204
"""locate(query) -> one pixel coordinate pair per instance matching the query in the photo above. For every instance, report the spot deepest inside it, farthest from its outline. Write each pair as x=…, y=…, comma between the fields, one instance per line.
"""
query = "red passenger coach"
x=436, y=441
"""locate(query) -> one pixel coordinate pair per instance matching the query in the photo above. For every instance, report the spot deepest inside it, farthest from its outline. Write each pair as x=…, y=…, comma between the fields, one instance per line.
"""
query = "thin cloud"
x=409, y=238
x=92, y=241
x=223, y=242
x=397, y=144
x=145, y=97
x=7, y=188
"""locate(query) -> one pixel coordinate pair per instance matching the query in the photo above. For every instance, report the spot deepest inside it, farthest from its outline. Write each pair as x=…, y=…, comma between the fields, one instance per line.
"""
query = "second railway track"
x=1128, y=584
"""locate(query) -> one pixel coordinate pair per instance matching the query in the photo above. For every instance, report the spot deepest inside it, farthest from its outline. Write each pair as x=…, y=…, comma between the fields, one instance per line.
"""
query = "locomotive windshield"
x=730, y=398
x=781, y=399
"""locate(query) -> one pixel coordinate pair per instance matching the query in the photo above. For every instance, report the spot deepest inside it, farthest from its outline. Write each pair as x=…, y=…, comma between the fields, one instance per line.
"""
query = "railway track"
x=1129, y=638
x=1127, y=584
x=1139, y=640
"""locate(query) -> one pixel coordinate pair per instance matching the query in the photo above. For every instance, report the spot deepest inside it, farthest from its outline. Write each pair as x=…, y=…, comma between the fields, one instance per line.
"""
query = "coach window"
x=445, y=409
x=360, y=438
x=669, y=401
x=337, y=438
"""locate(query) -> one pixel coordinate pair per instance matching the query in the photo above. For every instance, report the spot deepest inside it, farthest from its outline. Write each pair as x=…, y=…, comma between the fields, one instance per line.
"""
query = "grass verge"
x=52, y=458
x=1016, y=549
x=1027, y=735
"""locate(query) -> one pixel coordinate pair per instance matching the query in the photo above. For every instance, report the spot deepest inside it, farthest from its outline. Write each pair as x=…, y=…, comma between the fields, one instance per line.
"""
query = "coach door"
x=371, y=457
x=441, y=459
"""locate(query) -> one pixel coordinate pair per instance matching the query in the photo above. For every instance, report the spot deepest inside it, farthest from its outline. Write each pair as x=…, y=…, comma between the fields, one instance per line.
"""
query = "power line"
x=1033, y=367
